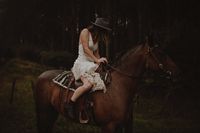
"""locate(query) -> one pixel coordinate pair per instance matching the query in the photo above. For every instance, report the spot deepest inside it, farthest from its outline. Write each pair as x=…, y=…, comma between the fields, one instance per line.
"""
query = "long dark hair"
x=98, y=34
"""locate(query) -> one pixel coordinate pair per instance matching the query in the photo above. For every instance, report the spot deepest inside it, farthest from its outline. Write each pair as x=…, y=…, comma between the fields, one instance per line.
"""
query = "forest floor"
x=18, y=116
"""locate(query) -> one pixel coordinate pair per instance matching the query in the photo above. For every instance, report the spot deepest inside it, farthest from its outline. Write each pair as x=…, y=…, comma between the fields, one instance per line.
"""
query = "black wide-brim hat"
x=102, y=23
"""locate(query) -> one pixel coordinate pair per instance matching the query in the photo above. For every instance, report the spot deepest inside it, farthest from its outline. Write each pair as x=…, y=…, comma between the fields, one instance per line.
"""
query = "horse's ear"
x=156, y=46
x=146, y=43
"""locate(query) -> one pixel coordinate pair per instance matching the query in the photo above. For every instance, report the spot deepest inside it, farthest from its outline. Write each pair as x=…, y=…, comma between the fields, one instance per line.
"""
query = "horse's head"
x=159, y=61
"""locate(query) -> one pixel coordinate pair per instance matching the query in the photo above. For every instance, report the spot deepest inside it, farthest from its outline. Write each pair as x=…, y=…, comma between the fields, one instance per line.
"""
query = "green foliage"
x=29, y=53
x=17, y=68
x=57, y=58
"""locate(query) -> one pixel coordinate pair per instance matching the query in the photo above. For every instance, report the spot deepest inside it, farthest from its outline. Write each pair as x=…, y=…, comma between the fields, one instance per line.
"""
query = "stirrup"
x=81, y=120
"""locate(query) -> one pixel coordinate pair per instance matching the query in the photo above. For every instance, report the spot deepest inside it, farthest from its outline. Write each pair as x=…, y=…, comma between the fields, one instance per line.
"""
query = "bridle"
x=148, y=54
x=158, y=62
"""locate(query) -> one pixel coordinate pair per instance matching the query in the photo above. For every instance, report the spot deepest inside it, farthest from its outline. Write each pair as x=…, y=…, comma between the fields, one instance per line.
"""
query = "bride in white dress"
x=88, y=60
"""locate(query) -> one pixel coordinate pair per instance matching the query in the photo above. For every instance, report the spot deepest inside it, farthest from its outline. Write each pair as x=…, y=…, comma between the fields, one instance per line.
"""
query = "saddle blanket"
x=64, y=79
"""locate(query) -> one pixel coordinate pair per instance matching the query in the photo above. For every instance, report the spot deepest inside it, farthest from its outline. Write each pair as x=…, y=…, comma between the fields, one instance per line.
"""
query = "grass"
x=19, y=116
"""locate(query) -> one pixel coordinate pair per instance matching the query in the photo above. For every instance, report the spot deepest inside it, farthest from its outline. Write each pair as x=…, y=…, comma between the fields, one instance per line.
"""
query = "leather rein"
x=149, y=52
x=119, y=71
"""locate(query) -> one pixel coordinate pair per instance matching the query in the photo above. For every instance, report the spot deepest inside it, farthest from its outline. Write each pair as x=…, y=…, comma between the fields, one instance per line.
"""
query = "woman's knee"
x=87, y=85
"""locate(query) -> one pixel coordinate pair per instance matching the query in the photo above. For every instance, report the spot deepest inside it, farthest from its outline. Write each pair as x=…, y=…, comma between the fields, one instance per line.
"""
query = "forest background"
x=36, y=35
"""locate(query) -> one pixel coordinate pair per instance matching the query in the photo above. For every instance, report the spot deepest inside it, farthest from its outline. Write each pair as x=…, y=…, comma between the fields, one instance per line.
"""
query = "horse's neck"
x=133, y=65
x=125, y=85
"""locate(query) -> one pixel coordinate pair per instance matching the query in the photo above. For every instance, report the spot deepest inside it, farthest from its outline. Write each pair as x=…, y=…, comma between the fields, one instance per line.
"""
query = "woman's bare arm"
x=84, y=37
x=96, y=53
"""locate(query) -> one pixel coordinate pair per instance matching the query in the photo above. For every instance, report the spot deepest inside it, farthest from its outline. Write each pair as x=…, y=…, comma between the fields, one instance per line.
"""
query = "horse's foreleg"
x=128, y=126
x=119, y=129
x=109, y=128
x=46, y=117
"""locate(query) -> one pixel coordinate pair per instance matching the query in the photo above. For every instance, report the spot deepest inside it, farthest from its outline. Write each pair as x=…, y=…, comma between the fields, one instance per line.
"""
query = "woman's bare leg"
x=78, y=92
x=87, y=85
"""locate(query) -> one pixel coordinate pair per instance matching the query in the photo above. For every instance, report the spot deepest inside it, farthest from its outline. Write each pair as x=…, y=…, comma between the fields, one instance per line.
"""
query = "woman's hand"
x=102, y=60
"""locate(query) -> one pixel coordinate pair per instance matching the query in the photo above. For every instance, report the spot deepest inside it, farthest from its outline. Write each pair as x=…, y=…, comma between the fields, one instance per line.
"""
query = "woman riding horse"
x=112, y=110
x=88, y=60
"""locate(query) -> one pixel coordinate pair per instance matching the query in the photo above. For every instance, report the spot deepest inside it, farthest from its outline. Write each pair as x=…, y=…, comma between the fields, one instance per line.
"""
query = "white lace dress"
x=84, y=66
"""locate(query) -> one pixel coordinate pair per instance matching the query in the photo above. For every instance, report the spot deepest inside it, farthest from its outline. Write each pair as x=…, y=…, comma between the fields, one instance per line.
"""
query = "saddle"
x=84, y=104
x=104, y=72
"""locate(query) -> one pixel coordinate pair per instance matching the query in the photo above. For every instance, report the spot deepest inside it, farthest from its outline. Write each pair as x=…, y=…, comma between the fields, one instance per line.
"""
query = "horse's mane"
x=124, y=54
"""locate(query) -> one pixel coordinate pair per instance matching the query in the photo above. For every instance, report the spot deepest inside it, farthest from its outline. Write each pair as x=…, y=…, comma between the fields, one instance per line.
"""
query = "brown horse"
x=112, y=109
